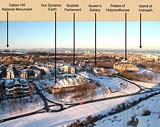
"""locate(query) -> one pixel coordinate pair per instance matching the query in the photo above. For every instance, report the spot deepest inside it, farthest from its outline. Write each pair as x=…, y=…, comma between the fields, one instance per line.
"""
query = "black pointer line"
x=95, y=39
x=74, y=50
x=7, y=32
x=140, y=30
x=125, y=36
x=55, y=47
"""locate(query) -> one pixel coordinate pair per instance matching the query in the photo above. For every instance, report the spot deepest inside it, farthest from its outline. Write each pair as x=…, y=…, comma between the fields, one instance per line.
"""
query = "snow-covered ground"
x=108, y=85
x=102, y=80
x=113, y=83
x=11, y=108
x=72, y=114
x=82, y=111
x=155, y=76
x=147, y=84
x=121, y=119
x=64, y=117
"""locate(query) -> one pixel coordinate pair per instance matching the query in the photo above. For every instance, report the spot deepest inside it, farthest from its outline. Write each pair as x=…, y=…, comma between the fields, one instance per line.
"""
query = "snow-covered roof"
x=68, y=82
x=16, y=81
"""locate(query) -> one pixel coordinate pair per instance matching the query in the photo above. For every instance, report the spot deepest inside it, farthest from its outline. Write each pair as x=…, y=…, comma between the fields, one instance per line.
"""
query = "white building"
x=23, y=74
x=10, y=73
x=16, y=87
x=68, y=69
x=125, y=66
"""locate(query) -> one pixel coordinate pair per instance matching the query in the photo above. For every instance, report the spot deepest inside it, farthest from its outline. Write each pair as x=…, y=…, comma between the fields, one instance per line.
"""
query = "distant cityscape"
x=82, y=50
x=32, y=82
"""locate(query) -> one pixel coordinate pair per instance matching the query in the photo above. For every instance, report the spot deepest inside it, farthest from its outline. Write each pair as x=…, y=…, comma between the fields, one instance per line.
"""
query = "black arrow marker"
x=55, y=64
x=95, y=62
x=7, y=32
x=74, y=46
x=125, y=36
x=140, y=30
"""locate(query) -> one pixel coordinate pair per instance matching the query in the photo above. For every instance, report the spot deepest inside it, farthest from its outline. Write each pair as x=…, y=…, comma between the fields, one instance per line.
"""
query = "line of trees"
x=78, y=92
x=136, y=76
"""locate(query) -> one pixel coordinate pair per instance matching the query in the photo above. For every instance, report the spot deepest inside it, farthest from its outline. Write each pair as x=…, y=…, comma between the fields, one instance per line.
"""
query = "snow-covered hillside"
x=112, y=83
x=138, y=113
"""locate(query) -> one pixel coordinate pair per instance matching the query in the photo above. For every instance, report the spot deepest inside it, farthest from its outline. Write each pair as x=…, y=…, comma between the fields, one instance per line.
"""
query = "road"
x=46, y=100
x=65, y=105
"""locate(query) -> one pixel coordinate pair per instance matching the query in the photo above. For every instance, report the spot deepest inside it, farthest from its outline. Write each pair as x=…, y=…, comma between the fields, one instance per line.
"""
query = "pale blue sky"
x=110, y=35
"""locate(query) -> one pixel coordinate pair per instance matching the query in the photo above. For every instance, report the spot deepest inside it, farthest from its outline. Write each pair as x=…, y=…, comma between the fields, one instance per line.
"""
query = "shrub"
x=76, y=124
x=89, y=119
x=133, y=122
x=146, y=113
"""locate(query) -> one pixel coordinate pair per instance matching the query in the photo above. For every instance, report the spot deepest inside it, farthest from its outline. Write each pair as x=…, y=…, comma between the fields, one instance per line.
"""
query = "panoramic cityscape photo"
x=79, y=73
